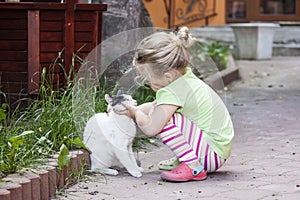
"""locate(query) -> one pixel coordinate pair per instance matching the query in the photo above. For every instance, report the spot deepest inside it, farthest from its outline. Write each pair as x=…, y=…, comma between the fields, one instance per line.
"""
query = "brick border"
x=41, y=183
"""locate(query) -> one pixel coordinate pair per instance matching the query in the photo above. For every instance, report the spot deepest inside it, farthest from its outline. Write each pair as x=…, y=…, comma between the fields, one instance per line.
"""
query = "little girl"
x=188, y=116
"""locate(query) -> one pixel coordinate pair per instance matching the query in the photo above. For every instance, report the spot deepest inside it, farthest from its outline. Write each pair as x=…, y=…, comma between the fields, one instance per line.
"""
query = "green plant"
x=219, y=52
x=14, y=144
x=2, y=118
x=143, y=94
x=214, y=53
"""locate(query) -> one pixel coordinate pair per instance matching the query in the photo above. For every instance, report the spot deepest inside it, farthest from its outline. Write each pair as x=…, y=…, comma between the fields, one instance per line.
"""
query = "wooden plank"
x=13, y=56
x=52, y=15
x=32, y=6
x=13, y=35
x=51, y=67
x=48, y=1
x=48, y=57
x=11, y=45
x=51, y=46
x=13, y=24
x=13, y=66
x=83, y=36
x=13, y=76
x=33, y=51
x=14, y=87
x=84, y=26
x=51, y=26
x=84, y=16
x=54, y=78
x=91, y=7
x=82, y=55
x=84, y=46
x=16, y=14
x=51, y=36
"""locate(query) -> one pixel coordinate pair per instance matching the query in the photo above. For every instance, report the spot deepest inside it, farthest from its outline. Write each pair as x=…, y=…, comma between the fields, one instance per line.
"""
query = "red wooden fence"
x=32, y=34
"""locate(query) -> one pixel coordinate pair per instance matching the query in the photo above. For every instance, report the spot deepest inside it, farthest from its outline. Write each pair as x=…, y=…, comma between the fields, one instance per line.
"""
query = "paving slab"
x=265, y=161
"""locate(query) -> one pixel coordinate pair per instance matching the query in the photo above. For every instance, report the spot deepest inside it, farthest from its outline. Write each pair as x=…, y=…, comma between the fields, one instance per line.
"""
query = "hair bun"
x=185, y=37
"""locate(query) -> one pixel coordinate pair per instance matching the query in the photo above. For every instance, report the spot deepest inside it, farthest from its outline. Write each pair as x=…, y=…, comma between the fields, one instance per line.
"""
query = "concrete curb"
x=220, y=79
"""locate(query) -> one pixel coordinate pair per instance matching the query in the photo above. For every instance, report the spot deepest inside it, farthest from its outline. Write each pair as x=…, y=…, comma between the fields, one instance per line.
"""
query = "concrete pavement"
x=265, y=161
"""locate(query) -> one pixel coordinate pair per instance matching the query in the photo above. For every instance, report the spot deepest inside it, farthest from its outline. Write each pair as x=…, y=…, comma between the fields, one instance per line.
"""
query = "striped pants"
x=186, y=140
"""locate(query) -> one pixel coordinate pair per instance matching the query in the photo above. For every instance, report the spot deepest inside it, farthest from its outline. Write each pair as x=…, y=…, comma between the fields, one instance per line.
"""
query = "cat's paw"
x=107, y=171
x=111, y=172
x=136, y=174
x=141, y=169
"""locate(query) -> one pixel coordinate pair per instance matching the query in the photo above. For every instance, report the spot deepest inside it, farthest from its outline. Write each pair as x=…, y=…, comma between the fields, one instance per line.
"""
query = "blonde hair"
x=164, y=51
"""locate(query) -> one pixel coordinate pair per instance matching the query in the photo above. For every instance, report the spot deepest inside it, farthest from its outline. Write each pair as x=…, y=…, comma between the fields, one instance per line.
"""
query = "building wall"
x=158, y=14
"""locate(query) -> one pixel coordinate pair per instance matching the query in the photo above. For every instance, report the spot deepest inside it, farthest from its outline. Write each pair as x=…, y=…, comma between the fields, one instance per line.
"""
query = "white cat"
x=109, y=136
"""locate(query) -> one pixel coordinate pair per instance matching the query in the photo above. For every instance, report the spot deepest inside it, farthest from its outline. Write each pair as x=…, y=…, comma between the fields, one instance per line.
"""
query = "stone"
x=52, y=176
x=23, y=181
x=4, y=194
x=14, y=188
x=44, y=182
x=35, y=184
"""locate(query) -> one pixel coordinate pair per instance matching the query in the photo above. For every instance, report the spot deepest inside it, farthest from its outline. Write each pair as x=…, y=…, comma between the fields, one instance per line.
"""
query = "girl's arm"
x=151, y=124
x=146, y=107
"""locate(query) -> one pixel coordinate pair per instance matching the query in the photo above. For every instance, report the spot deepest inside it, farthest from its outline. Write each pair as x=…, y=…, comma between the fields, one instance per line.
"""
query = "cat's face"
x=115, y=102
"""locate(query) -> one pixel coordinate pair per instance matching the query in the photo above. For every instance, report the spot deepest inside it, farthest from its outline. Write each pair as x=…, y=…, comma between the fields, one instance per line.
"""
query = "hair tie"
x=183, y=33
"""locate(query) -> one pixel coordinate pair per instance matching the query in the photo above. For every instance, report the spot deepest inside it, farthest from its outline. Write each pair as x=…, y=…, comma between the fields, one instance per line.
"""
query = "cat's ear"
x=120, y=92
x=108, y=98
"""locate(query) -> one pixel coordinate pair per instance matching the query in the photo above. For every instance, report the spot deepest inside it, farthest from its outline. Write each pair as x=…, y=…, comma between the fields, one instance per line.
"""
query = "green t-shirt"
x=201, y=105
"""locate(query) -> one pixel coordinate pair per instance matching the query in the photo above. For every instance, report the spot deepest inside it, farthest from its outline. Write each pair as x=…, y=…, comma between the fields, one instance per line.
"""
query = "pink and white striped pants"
x=186, y=140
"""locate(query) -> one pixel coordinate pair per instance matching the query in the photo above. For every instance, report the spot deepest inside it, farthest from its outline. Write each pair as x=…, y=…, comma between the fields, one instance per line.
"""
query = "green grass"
x=52, y=123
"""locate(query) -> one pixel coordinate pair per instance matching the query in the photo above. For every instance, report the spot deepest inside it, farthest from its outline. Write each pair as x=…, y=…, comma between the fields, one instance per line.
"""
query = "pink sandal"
x=184, y=173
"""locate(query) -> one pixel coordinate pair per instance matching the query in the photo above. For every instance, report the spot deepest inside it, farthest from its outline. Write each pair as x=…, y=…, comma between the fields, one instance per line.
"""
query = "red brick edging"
x=41, y=183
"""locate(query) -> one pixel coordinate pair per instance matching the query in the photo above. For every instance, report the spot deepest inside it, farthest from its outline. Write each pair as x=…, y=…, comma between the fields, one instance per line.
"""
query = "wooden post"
x=33, y=51
x=97, y=28
x=69, y=34
x=97, y=34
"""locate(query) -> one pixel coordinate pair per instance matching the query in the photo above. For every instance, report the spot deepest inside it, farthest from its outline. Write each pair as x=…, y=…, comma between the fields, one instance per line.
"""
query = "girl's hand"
x=129, y=111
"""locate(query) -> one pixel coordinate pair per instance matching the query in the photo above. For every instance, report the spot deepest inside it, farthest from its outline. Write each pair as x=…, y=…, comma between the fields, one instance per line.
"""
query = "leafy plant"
x=14, y=145
x=64, y=157
x=219, y=53
x=209, y=56
x=143, y=94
